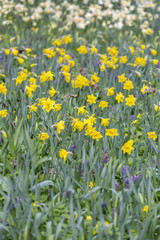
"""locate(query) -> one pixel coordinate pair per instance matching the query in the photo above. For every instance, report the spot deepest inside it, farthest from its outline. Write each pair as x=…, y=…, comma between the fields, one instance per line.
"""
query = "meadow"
x=79, y=119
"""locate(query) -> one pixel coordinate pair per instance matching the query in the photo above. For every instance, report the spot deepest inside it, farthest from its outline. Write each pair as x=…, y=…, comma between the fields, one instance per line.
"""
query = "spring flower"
x=3, y=88
x=89, y=218
x=67, y=39
x=154, y=52
x=82, y=49
x=60, y=126
x=78, y=125
x=33, y=108
x=46, y=76
x=94, y=50
x=20, y=60
x=7, y=51
x=57, y=42
x=155, y=61
x=110, y=91
x=57, y=107
x=103, y=104
x=52, y=92
x=91, y=185
x=63, y=154
x=82, y=110
x=112, y=132
x=95, y=78
x=128, y=85
x=131, y=49
x=48, y=104
x=128, y=147
x=144, y=89
x=119, y=97
x=152, y=135
x=140, y=61
x=130, y=101
x=80, y=81
x=43, y=136
x=122, y=78
x=145, y=209
x=3, y=113
x=102, y=67
x=91, y=99
x=41, y=101
x=123, y=59
x=105, y=121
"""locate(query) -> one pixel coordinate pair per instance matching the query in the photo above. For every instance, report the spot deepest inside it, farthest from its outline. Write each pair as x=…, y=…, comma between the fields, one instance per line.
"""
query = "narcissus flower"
x=145, y=209
x=103, y=104
x=82, y=110
x=43, y=136
x=144, y=89
x=128, y=147
x=119, y=97
x=33, y=108
x=20, y=60
x=122, y=78
x=82, y=49
x=102, y=67
x=128, y=85
x=130, y=101
x=60, y=126
x=152, y=135
x=48, y=104
x=89, y=218
x=3, y=88
x=7, y=51
x=52, y=92
x=110, y=91
x=3, y=113
x=91, y=99
x=94, y=50
x=63, y=154
x=112, y=132
x=91, y=185
x=105, y=121
x=155, y=61
x=57, y=107
x=131, y=49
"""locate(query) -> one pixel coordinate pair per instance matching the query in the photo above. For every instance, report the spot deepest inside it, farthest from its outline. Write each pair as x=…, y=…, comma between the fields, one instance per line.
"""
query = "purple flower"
x=82, y=170
x=12, y=207
x=135, y=178
x=117, y=186
x=104, y=205
x=22, y=89
x=127, y=181
x=136, y=94
x=68, y=193
x=105, y=159
x=55, y=82
x=123, y=171
x=5, y=65
x=72, y=55
x=0, y=59
x=96, y=64
x=72, y=148
x=49, y=194
x=132, y=117
x=17, y=199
